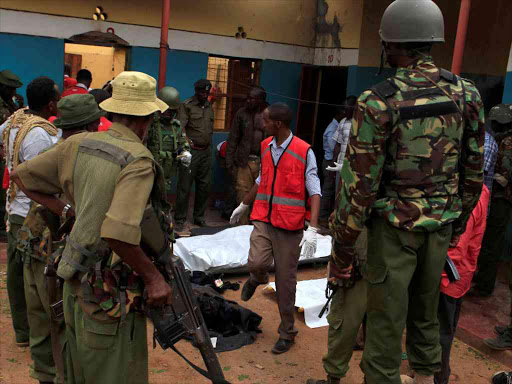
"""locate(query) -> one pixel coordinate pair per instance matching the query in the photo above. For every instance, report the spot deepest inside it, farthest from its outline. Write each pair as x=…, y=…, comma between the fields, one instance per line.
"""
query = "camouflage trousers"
x=345, y=317
x=15, y=287
x=102, y=349
x=404, y=275
x=39, y=319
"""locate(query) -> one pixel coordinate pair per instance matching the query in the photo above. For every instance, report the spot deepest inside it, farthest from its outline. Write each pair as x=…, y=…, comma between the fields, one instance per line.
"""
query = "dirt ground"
x=251, y=364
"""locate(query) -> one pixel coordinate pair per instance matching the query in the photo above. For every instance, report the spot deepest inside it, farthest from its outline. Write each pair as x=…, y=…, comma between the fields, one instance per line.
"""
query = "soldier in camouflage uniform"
x=78, y=113
x=500, y=214
x=166, y=139
x=412, y=173
x=9, y=82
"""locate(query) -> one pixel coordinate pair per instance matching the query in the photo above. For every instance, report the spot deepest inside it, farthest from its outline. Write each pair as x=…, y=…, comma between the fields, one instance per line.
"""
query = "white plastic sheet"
x=310, y=297
x=226, y=250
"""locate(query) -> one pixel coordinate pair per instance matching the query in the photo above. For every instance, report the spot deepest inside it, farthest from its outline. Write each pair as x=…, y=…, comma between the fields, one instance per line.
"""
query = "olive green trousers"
x=345, y=318
x=39, y=319
x=101, y=349
x=404, y=274
x=200, y=173
x=15, y=287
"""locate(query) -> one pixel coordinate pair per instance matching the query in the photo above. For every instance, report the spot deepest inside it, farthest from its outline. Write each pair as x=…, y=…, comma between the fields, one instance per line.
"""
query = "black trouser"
x=448, y=313
x=493, y=245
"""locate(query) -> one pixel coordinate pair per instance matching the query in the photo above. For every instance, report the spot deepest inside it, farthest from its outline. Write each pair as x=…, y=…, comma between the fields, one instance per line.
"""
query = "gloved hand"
x=186, y=158
x=337, y=167
x=308, y=243
x=237, y=213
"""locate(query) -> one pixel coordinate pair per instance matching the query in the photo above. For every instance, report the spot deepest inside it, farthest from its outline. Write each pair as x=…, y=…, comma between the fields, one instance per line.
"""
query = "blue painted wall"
x=280, y=79
x=507, y=94
x=31, y=56
x=183, y=68
x=363, y=78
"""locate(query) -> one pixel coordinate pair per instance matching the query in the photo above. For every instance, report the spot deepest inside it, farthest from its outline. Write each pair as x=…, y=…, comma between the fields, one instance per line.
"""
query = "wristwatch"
x=64, y=214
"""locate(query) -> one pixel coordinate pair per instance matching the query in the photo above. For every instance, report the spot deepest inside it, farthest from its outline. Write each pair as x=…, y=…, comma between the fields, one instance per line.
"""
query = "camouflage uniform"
x=413, y=169
x=499, y=217
x=167, y=140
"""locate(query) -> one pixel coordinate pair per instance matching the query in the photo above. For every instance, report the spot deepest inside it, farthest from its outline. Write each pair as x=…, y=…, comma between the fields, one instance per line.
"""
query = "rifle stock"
x=183, y=318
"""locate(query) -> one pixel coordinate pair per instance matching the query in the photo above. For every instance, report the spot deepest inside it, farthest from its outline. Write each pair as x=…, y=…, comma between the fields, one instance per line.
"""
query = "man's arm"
x=183, y=117
x=361, y=175
x=51, y=202
x=472, y=157
x=121, y=227
x=313, y=187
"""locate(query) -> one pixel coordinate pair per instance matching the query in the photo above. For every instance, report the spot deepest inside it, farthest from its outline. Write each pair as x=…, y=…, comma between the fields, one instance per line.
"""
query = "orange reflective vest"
x=282, y=197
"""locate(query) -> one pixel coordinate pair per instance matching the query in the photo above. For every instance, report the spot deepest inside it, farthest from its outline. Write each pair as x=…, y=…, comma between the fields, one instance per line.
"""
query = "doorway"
x=104, y=54
x=321, y=90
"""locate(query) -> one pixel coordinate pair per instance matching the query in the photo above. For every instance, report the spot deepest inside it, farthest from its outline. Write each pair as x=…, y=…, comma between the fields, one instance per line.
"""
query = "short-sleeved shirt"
x=36, y=141
x=329, y=144
x=53, y=173
x=197, y=120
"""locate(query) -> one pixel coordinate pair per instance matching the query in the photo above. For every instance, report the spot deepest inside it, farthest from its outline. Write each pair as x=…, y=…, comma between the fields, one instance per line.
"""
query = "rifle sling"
x=214, y=380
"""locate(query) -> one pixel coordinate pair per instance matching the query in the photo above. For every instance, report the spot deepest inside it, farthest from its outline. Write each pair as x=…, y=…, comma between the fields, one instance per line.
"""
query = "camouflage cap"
x=502, y=113
x=77, y=111
x=10, y=79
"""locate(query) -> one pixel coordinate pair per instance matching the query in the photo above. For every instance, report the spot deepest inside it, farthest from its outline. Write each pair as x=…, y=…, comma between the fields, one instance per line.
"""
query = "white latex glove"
x=186, y=158
x=308, y=243
x=337, y=167
x=237, y=213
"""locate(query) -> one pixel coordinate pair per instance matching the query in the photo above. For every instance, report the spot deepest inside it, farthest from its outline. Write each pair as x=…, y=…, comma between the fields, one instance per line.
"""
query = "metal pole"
x=162, y=68
x=460, y=42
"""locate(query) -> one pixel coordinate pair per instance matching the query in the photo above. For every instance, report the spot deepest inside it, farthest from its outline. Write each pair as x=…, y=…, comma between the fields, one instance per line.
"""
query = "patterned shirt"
x=312, y=180
x=490, y=155
x=341, y=136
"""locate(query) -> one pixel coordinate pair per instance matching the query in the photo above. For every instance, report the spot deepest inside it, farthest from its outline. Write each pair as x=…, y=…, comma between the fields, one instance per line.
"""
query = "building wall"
x=487, y=47
x=30, y=57
x=283, y=21
x=507, y=93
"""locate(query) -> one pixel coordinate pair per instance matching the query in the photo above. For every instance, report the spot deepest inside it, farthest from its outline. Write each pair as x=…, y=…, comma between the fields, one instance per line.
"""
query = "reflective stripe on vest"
x=281, y=198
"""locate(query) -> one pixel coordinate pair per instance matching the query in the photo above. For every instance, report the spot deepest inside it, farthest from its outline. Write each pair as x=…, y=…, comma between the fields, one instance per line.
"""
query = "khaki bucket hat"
x=133, y=93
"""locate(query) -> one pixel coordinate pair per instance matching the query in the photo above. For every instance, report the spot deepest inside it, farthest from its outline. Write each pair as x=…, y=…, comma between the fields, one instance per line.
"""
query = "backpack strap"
x=383, y=91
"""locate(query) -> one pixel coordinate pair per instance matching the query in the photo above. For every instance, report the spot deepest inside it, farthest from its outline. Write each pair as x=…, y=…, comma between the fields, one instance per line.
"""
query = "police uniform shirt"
x=197, y=121
x=52, y=173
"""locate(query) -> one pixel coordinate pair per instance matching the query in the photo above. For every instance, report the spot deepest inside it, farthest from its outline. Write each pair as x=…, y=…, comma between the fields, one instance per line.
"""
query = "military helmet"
x=412, y=21
x=170, y=96
x=502, y=113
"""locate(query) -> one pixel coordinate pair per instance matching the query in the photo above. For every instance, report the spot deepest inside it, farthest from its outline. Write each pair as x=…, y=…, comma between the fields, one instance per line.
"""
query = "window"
x=231, y=79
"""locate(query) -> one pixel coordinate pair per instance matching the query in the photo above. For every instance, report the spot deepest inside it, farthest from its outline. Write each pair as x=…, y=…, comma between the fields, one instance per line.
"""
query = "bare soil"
x=251, y=364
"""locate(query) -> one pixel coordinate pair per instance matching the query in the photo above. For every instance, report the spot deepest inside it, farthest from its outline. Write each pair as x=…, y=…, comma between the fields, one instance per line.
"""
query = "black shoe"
x=282, y=346
x=500, y=343
x=330, y=380
x=502, y=378
x=200, y=223
x=248, y=290
x=500, y=330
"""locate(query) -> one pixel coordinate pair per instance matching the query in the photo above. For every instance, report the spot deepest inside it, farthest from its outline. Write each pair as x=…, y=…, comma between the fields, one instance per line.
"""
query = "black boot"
x=330, y=380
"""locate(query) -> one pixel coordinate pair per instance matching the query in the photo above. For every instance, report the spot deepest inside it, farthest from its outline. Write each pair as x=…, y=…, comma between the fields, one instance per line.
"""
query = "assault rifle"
x=183, y=318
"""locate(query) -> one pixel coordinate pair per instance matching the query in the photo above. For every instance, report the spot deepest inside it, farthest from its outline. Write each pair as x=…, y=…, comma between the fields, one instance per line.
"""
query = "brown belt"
x=199, y=147
x=254, y=158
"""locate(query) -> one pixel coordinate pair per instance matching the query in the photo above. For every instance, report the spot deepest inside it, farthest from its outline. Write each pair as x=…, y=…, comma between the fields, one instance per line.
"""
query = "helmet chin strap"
x=381, y=67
